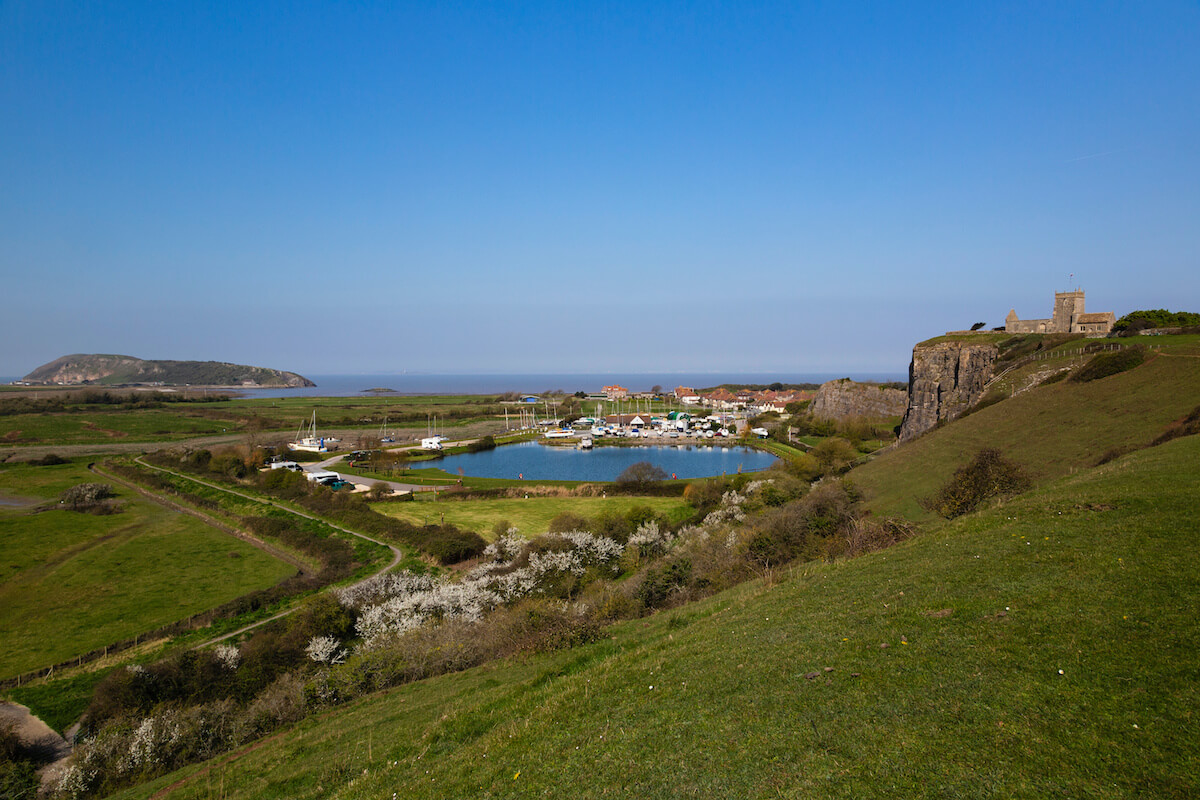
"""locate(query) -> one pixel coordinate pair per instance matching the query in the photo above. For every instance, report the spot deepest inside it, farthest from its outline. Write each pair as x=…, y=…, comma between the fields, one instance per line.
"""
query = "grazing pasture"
x=71, y=582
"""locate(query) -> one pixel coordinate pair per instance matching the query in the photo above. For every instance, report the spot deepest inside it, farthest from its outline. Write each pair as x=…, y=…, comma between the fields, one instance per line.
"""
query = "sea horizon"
x=422, y=383
x=434, y=383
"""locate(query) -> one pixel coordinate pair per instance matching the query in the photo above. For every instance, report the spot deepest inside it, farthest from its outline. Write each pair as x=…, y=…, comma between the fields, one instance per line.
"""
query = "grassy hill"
x=1050, y=430
x=108, y=370
x=1045, y=648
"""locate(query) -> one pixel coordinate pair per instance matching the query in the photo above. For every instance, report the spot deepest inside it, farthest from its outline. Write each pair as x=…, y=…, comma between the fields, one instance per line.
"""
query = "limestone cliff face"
x=844, y=398
x=944, y=380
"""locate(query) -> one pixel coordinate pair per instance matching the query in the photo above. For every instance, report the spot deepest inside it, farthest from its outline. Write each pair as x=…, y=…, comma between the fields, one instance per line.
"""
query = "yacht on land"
x=311, y=443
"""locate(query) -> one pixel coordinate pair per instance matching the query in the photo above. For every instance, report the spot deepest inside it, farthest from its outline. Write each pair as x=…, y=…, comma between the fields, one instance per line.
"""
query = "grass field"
x=1051, y=431
x=71, y=582
x=1046, y=648
x=531, y=516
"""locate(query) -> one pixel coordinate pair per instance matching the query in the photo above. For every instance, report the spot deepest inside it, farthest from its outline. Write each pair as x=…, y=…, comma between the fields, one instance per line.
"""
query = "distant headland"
x=115, y=370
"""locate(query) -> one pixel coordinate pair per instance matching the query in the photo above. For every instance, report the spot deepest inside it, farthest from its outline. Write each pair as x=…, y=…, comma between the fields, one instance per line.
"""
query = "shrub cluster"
x=987, y=475
x=92, y=498
x=1142, y=320
x=1111, y=363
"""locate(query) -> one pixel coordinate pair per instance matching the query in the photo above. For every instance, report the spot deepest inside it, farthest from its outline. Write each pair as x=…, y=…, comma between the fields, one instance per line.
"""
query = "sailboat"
x=311, y=443
x=384, y=436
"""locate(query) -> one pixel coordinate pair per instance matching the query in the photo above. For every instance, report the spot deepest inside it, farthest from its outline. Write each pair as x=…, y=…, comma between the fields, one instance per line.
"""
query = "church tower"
x=1068, y=307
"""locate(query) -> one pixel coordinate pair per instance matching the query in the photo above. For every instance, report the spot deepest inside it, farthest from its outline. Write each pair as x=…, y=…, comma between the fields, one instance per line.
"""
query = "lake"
x=535, y=461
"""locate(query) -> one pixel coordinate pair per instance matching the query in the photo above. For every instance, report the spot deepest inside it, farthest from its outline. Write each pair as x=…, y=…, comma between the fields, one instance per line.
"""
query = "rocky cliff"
x=82, y=369
x=944, y=380
x=844, y=398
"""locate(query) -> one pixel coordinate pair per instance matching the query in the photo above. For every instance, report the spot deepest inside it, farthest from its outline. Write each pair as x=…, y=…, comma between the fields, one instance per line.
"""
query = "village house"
x=615, y=392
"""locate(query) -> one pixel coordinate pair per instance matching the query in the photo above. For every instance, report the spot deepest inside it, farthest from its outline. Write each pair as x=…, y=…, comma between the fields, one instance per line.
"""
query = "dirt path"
x=39, y=737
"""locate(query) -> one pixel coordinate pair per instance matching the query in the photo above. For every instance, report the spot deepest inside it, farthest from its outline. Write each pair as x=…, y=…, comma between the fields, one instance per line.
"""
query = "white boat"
x=585, y=443
x=311, y=443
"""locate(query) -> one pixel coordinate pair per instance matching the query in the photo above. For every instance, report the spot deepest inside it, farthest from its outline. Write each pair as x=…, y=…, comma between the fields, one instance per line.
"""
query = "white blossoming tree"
x=325, y=650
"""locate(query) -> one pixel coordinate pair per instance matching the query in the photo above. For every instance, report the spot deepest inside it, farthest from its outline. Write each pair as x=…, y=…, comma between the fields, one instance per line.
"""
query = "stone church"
x=1069, y=317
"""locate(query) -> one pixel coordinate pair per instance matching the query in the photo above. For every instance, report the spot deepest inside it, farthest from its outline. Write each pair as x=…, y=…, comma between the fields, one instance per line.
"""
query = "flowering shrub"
x=512, y=569
x=228, y=655
x=325, y=650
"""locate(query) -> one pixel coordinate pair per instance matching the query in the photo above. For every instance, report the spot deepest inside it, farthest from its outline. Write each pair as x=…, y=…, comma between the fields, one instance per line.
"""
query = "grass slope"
x=1050, y=431
x=1046, y=648
x=72, y=582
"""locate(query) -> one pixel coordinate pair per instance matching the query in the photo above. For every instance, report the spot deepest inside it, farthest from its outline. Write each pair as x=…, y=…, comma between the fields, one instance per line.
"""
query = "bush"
x=835, y=455
x=1136, y=321
x=987, y=475
x=49, y=460
x=1106, y=364
x=87, y=496
x=567, y=521
x=642, y=473
x=479, y=445
x=1188, y=426
x=660, y=582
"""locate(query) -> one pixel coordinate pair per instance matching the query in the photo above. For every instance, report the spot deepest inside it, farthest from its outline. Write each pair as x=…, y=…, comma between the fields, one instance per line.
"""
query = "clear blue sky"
x=493, y=187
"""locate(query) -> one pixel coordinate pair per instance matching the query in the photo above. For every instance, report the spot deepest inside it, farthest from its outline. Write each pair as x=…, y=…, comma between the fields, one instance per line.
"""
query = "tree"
x=656, y=389
x=641, y=474
x=978, y=325
x=834, y=454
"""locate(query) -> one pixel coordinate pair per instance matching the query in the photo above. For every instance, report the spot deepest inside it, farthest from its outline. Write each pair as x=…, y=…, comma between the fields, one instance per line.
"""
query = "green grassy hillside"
x=1043, y=648
x=1050, y=431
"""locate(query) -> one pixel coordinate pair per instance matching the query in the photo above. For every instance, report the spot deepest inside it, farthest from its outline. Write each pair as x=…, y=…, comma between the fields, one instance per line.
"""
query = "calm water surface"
x=536, y=461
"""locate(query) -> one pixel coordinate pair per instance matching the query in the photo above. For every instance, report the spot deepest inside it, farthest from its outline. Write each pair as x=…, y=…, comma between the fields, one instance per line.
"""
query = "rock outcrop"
x=85, y=369
x=944, y=380
x=844, y=398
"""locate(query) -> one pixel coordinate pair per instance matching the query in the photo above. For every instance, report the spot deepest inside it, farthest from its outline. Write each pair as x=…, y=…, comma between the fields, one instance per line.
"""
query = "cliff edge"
x=944, y=380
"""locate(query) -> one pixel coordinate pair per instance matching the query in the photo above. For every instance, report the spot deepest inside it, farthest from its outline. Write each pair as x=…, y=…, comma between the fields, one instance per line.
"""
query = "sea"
x=407, y=383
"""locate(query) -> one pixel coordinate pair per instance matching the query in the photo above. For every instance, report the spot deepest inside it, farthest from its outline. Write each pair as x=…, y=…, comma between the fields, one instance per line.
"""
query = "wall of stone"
x=944, y=380
x=844, y=398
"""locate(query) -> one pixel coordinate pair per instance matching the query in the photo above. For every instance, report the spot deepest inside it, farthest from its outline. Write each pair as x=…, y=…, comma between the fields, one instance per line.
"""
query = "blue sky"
x=585, y=187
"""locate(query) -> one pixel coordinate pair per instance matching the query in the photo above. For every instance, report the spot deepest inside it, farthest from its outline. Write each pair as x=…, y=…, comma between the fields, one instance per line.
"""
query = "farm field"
x=1043, y=648
x=71, y=582
x=531, y=516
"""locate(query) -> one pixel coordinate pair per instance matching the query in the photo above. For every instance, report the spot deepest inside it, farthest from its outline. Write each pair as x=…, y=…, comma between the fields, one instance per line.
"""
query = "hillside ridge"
x=81, y=369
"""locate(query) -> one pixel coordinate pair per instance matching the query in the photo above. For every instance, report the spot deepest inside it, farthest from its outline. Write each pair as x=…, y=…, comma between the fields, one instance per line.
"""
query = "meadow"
x=530, y=516
x=71, y=582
